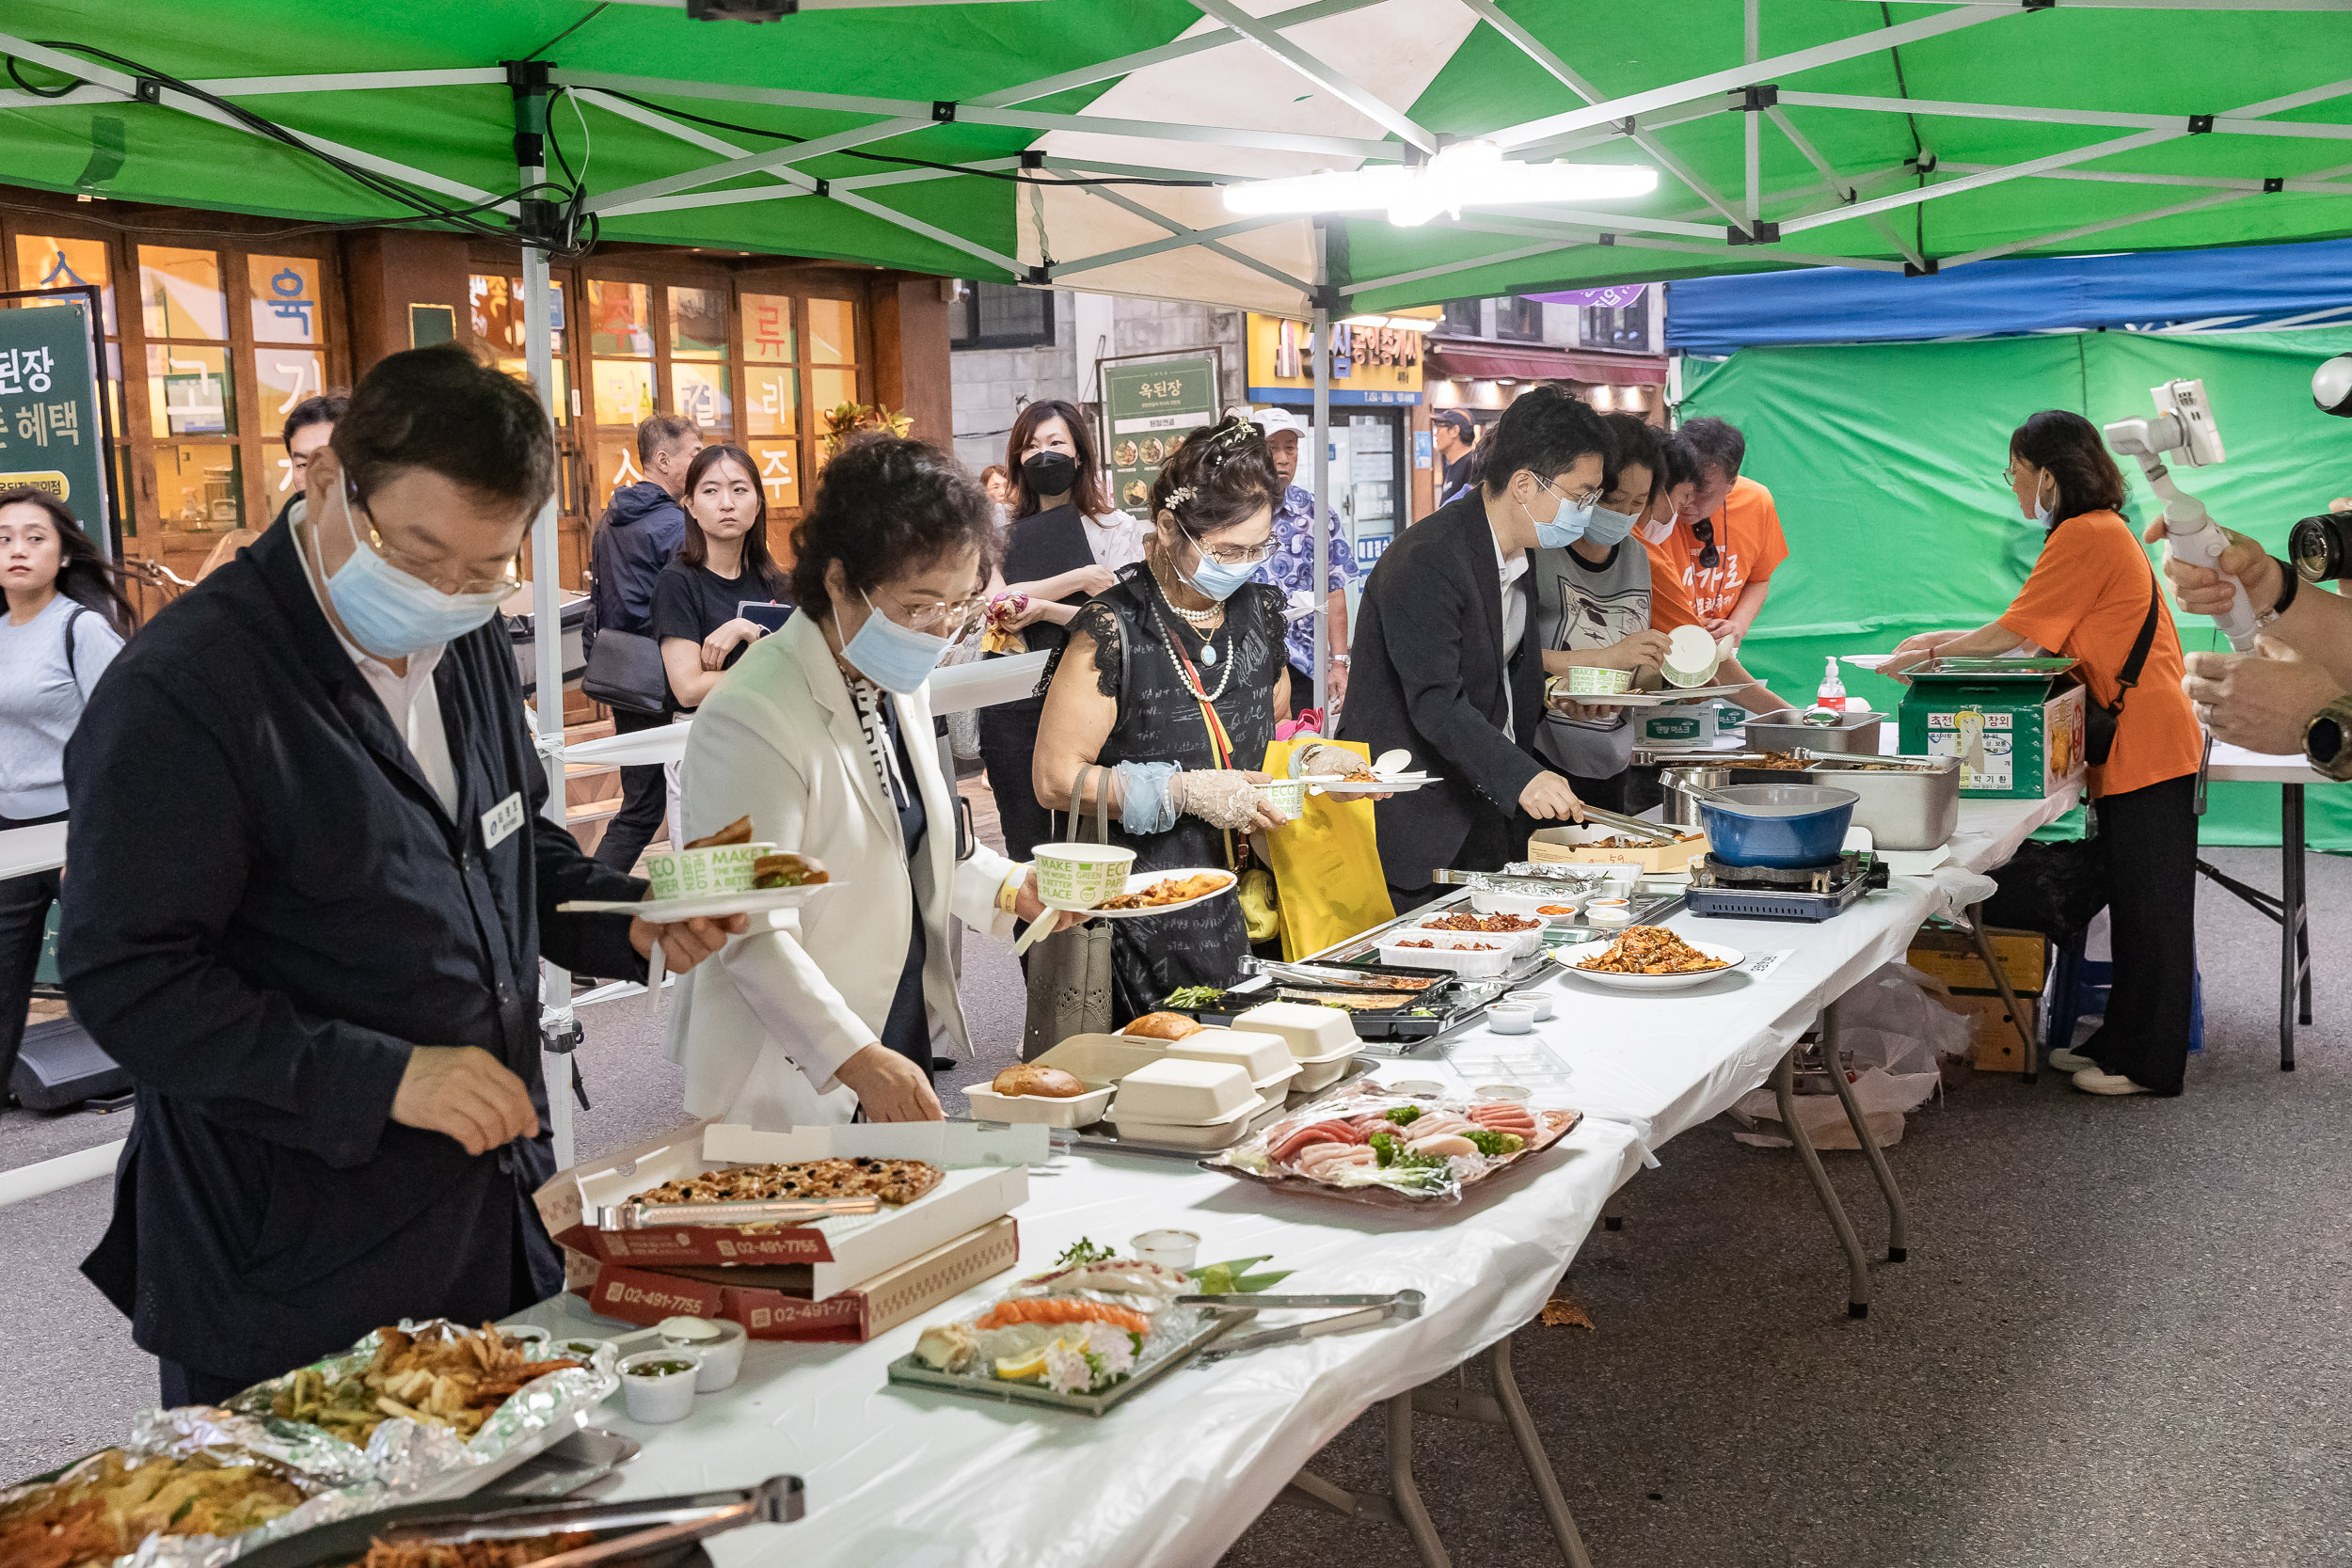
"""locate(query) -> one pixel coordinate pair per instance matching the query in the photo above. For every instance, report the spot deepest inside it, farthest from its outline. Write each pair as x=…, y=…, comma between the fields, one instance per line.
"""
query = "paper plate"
x=1142, y=880
x=1570, y=957
x=1404, y=784
x=662, y=911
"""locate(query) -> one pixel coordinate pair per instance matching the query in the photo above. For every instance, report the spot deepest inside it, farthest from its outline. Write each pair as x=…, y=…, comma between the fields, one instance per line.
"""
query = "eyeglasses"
x=941, y=617
x=436, y=573
x=1583, y=499
x=1237, y=555
x=1704, y=531
x=2008, y=474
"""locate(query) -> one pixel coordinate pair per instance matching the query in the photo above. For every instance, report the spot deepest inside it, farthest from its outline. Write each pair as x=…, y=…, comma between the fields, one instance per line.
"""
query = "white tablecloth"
x=1177, y=1473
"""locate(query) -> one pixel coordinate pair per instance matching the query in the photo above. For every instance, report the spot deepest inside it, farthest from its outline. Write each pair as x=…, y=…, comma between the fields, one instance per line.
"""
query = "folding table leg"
x=2294, y=983
x=1531, y=1453
x=2009, y=997
x=1403, y=1494
x=1897, y=1221
x=1857, y=1267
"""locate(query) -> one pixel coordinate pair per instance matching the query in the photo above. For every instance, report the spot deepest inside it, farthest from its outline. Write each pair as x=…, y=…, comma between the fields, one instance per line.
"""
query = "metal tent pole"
x=1322, y=435
x=559, y=1032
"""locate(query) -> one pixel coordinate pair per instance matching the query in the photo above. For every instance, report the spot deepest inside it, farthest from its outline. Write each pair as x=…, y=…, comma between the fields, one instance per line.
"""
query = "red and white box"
x=985, y=1178
x=772, y=1302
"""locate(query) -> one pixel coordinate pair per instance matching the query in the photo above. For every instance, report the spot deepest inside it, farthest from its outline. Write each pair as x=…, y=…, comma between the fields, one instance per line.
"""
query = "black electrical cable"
x=1007, y=175
x=17, y=76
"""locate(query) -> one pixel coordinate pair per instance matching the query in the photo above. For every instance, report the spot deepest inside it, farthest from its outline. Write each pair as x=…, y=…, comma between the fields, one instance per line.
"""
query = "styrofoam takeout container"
x=1312, y=1032
x=1260, y=1053
x=1223, y=1132
x=1080, y=1110
x=1180, y=1092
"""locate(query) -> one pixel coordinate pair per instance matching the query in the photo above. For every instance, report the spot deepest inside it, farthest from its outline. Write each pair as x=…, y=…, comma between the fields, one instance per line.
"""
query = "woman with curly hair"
x=1165, y=696
x=821, y=734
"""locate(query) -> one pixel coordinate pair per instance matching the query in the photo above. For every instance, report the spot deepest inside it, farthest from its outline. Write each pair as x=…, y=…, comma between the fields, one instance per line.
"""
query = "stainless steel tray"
x=1784, y=731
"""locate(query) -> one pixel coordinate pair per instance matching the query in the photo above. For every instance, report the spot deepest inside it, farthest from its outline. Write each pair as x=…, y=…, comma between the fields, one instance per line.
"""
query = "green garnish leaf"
x=1252, y=1284
x=1384, y=1149
x=1492, y=1142
x=1083, y=1251
x=1404, y=1115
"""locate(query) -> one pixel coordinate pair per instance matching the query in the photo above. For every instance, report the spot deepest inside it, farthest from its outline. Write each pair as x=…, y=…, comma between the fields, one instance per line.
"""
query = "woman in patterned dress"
x=1165, y=696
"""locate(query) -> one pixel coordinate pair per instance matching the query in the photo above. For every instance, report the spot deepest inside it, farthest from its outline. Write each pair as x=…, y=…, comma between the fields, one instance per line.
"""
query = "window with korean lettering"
x=832, y=353
x=698, y=359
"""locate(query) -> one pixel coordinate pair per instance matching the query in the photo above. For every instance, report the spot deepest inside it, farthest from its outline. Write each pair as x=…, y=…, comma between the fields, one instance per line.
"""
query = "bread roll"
x=1050, y=1083
x=1163, y=1026
x=736, y=831
x=787, y=870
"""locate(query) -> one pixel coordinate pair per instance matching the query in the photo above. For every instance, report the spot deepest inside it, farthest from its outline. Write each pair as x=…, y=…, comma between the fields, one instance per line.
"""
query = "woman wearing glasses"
x=1163, y=699
x=822, y=735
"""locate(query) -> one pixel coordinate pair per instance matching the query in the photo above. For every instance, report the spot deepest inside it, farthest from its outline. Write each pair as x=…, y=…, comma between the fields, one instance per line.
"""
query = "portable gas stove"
x=1768, y=893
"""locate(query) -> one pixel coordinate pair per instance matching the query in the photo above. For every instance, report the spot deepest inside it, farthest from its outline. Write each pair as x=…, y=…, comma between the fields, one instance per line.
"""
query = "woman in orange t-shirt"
x=2091, y=593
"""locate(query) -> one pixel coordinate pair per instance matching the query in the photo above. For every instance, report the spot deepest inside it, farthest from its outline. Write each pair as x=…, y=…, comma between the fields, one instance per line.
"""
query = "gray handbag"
x=1070, y=972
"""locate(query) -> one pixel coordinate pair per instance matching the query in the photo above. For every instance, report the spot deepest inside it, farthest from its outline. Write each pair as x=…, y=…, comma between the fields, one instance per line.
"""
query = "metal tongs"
x=1399, y=1305
x=652, y=1217
x=1909, y=765
x=1624, y=823
x=662, y=1522
x=1319, y=975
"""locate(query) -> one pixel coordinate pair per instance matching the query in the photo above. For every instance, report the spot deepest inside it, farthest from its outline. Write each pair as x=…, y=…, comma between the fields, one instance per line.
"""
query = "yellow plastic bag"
x=1325, y=865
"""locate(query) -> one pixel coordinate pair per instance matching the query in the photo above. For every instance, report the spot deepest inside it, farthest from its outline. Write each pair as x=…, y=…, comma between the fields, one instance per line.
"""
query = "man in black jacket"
x=312, y=890
x=636, y=537
x=1445, y=664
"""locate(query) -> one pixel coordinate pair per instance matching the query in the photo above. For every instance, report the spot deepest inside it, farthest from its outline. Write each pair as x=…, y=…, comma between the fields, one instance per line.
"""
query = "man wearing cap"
x=1454, y=436
x=1293, y=566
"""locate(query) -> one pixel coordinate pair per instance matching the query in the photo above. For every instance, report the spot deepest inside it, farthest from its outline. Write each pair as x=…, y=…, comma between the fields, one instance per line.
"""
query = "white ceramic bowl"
x=1080, y=876
x=1177, y=1092
x=656, y=1398
x=718, y=868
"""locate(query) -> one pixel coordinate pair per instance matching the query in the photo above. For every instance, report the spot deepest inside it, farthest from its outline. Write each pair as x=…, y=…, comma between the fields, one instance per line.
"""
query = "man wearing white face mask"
x=312, y=891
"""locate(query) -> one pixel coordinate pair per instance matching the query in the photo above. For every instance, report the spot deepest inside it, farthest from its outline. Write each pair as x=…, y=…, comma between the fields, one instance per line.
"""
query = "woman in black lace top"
x=1171, y=681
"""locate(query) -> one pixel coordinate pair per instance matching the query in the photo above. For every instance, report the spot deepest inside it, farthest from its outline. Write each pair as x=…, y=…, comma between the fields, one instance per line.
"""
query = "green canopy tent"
x=1083, y=141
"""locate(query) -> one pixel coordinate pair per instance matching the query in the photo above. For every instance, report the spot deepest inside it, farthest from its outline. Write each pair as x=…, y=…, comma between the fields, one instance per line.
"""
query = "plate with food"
x=779, y=881
x=1364, y=781
x=1165, y=892
x=1648, y=957
x=1369, y=1142
x=1082, y=1336
x=106, y=1505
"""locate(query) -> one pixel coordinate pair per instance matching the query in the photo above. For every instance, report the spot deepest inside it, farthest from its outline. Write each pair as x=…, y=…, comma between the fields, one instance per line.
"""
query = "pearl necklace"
x=1197, y=617
x=1208, y=654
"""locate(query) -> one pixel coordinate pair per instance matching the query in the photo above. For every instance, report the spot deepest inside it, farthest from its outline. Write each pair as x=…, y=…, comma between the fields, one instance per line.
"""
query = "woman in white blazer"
x=822, y=735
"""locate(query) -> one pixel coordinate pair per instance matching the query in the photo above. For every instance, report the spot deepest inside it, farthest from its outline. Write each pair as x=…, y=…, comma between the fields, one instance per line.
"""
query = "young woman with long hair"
x=67, y=619
x=1066, y=542
x=722, y=564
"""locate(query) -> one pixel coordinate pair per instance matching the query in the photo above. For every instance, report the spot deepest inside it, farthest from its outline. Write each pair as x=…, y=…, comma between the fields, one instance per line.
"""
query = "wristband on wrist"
x=2294, y=585
x=1009, y=895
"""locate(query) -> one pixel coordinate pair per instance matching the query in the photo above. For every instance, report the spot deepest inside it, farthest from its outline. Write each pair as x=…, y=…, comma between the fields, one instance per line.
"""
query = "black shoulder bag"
x=2100, y=721
x=625, y=669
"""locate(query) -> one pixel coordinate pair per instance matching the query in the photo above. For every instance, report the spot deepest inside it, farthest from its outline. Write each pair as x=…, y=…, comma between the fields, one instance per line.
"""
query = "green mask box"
x=2016, y=724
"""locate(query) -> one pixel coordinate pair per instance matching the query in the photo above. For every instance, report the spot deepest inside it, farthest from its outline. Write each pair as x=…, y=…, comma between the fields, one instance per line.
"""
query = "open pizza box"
x=985, y=1177
x=773, y=1301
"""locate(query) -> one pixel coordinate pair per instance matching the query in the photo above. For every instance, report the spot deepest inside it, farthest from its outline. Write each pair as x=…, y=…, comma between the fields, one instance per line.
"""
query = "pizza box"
x=772, y=1301
x=840, y=1251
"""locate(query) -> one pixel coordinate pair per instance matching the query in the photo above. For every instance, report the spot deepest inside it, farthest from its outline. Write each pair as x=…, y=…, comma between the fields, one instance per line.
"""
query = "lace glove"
x=1222, y=798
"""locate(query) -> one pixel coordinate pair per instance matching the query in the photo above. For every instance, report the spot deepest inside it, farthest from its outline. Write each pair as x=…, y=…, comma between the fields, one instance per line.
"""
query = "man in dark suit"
x=311, y=891
x=1445, y=665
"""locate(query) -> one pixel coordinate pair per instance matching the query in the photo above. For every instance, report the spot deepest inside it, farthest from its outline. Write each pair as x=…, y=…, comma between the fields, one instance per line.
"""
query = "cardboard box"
x=1952, y=956
x=2018, y=737
x=773, y=1302
x=1567, y=846
x=1681, y=725
x=839, y=1252
x=1997, y=1047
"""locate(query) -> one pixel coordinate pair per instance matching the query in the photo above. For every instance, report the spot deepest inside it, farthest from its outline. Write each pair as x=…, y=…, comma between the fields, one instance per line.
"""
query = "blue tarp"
x=2237, y=287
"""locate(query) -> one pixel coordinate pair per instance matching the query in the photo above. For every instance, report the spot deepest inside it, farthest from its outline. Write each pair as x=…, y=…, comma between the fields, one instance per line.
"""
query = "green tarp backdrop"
x=1885, y=462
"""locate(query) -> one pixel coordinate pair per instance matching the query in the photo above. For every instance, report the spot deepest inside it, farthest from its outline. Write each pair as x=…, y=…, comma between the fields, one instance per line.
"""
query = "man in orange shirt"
x=1711, y=563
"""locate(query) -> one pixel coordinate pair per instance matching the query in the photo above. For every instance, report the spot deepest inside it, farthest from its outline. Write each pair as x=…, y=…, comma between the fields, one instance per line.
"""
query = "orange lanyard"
x=1221, y=743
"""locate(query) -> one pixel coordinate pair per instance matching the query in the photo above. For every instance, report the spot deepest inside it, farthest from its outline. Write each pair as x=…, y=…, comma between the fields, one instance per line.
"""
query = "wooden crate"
x=1997, y=1047
x=1951, y=957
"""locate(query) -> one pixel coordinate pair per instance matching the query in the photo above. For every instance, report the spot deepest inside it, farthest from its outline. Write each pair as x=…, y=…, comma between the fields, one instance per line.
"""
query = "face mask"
x=1216, y=579
x=2042, y=511
x=392, y=614
x=1609, y=527
x=1567, y=524
x=895, y=658
x=1049, y=473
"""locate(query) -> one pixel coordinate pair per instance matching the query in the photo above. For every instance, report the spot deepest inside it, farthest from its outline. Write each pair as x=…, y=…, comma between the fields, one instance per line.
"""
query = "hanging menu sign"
x=1150, y=408
x=48, y=417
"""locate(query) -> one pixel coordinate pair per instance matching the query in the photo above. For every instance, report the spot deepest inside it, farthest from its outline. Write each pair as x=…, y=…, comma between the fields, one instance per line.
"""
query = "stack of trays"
x=1321, y=1040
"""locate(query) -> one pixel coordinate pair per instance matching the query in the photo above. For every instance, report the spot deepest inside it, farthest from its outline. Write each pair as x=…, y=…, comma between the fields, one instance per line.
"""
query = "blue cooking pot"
x=1781, y=824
